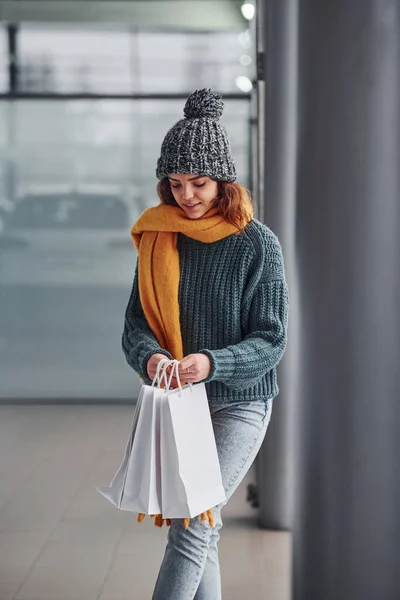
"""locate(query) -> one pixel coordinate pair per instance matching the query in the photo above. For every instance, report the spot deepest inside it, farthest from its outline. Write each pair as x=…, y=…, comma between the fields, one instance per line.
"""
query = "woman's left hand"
x=194, y=368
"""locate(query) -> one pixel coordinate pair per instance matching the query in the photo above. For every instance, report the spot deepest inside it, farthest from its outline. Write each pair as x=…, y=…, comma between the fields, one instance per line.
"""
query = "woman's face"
x=193, y=193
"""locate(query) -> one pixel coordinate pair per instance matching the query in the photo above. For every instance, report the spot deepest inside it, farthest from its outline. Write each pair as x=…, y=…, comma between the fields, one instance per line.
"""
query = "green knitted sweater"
x=233, y=301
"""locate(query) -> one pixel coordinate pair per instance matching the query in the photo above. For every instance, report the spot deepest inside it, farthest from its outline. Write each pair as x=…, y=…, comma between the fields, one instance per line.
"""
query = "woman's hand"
x=194, y=368
x=153, y=364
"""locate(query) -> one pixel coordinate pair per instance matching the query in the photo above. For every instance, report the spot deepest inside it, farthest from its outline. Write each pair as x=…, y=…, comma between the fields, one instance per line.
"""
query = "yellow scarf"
x=155, y=237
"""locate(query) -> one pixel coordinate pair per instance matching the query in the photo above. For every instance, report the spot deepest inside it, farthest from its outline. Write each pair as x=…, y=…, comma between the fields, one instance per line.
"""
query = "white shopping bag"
x=114, y=491
x=191, y=481
x=136, y=486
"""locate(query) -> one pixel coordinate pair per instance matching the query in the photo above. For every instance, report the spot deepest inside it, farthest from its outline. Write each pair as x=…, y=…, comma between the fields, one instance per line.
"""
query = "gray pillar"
x=347, y=515
x=275, y=465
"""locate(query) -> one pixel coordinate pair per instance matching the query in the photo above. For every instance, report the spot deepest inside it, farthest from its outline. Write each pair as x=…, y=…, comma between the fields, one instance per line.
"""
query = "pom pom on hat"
x=204, y=104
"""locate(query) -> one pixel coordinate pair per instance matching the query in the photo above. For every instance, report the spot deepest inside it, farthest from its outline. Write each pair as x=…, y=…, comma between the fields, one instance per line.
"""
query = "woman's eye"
x=200, y=184
x=176, y=186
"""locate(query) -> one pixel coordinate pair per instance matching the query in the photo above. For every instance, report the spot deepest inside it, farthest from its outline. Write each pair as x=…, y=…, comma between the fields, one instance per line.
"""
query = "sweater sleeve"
x=138, y=341
x=242, y=365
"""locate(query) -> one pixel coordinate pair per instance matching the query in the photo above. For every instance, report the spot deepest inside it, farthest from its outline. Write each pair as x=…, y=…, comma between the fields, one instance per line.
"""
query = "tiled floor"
x=61, y=540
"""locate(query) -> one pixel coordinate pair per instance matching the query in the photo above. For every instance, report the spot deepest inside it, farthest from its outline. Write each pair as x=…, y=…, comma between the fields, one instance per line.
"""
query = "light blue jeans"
x=190, y=568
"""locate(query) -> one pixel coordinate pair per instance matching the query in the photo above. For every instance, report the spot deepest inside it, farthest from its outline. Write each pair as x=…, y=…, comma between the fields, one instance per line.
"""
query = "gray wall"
x=341, y=382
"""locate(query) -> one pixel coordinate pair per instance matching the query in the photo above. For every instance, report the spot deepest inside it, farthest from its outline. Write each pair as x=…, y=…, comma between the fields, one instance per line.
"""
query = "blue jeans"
x=190, y=568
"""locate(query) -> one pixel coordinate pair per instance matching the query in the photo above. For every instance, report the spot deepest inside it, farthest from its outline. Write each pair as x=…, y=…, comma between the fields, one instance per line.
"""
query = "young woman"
x=209, y=291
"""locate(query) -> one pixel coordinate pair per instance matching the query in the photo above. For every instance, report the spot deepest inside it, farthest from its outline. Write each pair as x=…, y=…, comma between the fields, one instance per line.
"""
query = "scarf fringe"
x=159, y=521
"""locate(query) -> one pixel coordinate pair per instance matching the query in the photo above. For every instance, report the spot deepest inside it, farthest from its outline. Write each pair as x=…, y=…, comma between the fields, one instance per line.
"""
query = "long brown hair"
x=233, y=202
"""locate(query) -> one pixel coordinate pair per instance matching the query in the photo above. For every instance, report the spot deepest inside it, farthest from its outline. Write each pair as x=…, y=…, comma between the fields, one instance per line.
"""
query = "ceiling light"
x=248, y=10
x=243, y=83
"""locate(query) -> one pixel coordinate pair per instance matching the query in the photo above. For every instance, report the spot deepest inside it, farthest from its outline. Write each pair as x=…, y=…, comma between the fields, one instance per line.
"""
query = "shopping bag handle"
x=175, y=372
x=161, y=372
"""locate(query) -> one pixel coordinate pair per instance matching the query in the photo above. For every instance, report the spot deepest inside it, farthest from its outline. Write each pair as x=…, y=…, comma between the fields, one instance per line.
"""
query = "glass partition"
x=123, y=61
x=76, y=175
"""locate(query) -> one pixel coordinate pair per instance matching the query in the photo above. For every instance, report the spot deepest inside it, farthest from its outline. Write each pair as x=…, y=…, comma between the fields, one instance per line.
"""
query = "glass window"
x=106, y=141
x=6, y=159
x=181, y=62
x=55, y=59
x=78, y=175
x=55, y=211
x=3, y=60
x=74, y=177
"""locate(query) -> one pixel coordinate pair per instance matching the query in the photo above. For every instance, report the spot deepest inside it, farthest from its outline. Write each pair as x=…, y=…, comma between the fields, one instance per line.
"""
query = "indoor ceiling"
x=150, y=14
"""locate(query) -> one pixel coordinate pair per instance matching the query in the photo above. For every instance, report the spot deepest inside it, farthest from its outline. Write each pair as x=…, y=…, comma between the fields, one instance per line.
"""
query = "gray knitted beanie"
x=198, y=143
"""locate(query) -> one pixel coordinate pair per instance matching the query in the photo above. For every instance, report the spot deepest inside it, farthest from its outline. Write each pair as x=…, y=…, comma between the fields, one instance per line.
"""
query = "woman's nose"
x=187, y=192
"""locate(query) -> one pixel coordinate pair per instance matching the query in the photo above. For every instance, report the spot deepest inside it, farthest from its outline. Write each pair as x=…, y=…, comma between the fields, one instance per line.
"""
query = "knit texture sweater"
x=233, y=301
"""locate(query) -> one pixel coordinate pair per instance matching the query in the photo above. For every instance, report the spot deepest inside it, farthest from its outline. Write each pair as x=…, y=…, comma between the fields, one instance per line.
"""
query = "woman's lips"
x=192, y=206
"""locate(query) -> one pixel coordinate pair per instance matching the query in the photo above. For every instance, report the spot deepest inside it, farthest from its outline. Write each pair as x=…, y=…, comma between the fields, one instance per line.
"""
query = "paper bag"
x=191, y=480
x=137, y=484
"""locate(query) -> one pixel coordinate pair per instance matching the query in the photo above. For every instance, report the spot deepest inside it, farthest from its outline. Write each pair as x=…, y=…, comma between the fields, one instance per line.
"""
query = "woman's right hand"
x=153, y=363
